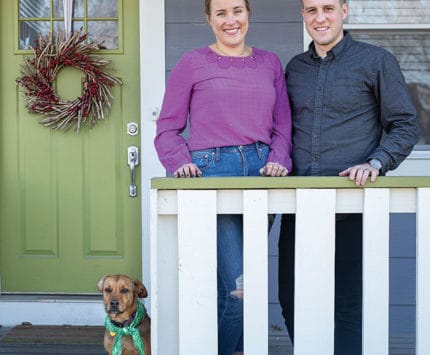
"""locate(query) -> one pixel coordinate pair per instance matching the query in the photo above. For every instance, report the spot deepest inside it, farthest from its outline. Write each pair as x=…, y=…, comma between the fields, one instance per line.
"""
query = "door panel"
x=66, y=216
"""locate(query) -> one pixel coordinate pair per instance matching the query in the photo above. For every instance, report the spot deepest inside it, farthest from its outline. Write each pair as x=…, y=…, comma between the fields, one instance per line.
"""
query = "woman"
x=239, y=125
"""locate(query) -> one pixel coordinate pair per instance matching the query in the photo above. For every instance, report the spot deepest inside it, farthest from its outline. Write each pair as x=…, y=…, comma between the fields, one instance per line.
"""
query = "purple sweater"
x=230, y=101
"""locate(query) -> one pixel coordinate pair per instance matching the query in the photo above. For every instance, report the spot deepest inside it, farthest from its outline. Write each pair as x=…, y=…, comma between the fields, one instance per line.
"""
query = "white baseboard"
x=51, y=310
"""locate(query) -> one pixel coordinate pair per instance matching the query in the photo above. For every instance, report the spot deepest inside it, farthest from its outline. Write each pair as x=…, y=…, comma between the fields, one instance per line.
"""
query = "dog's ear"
x=140, y=289
x=100, y=283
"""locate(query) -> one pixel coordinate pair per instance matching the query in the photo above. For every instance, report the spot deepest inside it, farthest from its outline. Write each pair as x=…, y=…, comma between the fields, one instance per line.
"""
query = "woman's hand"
x=273, y=169
x=188, y=170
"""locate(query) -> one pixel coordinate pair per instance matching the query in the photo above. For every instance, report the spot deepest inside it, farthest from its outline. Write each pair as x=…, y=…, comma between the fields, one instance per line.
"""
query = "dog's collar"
x=126, y=322
x=128, y=330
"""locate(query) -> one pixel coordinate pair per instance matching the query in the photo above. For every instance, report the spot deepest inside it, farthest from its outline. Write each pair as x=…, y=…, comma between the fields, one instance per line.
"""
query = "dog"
x=123, y=308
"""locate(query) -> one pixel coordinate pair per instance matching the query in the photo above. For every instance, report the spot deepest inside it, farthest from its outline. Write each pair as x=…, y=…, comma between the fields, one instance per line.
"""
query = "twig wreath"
x=39, y=72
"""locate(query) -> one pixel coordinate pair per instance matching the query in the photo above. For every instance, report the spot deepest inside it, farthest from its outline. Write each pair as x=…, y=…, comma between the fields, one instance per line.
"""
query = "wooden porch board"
x=54, y=349
x=53, y=334
x=89, y=340
x=27, y=339
x=279, y=344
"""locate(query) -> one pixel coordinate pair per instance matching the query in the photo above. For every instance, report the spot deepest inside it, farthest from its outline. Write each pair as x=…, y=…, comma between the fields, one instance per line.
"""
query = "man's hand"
x=188, y=170
x=273, y=169
x=360, y=173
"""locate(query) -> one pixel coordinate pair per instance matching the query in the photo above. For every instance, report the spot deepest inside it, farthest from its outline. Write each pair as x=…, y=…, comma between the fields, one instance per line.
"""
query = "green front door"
x=66, y=217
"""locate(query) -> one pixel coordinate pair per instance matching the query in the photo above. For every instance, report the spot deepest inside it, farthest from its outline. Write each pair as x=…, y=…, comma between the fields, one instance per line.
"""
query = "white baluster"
x=314, y=272
x=423, y=272
x=376, y=230
x=197, y=261
x=255, y=262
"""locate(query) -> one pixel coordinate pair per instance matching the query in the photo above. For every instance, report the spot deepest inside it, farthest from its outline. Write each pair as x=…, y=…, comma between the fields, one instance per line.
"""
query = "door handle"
x=132, y=161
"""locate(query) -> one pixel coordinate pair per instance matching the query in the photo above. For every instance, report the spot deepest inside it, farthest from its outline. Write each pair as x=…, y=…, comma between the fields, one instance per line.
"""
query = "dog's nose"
x=114, y=303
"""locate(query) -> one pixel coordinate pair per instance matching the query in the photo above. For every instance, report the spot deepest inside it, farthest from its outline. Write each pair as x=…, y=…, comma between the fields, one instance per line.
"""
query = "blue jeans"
x=230, y=161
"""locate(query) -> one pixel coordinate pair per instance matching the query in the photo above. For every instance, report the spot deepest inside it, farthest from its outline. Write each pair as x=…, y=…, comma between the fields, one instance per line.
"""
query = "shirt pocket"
x=346, y=94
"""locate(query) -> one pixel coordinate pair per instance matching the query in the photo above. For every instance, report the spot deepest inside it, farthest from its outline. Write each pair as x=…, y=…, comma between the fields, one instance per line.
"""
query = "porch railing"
x=183, y=265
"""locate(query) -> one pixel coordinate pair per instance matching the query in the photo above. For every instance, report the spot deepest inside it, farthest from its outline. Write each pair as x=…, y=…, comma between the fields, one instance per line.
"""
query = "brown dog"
x=121, y=299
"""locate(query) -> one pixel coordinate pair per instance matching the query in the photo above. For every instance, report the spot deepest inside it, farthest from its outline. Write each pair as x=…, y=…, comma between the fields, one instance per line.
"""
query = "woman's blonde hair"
x=208, y=7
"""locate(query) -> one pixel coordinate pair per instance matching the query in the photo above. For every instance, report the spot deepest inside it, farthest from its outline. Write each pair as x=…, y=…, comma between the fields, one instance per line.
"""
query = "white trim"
x=386, y=26
x=416, y=164
x=420, y=155
x=51, y=310
x=307, y=39
x=152, y=84
x=154, y=268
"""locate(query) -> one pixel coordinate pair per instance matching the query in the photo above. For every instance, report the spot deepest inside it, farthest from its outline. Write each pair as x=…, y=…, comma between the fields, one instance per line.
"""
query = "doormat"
x=92, y=335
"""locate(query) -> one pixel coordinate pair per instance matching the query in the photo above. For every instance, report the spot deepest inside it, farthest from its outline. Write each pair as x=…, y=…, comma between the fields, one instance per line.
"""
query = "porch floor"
x=27, y=339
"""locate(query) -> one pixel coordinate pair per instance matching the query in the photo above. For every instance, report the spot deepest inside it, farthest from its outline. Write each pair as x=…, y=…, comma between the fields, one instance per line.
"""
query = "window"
x=99, y=18
x=402, y=27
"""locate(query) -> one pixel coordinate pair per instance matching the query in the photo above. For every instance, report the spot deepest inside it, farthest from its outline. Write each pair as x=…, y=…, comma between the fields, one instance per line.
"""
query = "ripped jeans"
x=244, y=160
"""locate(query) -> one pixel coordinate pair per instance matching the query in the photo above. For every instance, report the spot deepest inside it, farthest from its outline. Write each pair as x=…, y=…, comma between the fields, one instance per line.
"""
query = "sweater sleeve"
x=170, y=145
x=281, y=146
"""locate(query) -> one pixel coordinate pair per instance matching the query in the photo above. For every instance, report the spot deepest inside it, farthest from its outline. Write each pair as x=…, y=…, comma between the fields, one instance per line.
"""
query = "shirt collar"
x=336, y=51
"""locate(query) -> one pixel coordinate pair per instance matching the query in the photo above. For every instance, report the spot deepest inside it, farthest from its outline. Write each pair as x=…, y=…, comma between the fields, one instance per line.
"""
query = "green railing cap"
x=290, y=182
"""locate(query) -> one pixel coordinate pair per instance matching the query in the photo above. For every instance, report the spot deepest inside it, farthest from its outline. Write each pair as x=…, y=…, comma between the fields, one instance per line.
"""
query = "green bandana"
x=130, y=331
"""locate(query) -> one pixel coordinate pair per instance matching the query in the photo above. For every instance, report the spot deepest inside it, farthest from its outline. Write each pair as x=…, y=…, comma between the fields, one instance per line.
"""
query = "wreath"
x=39, y=72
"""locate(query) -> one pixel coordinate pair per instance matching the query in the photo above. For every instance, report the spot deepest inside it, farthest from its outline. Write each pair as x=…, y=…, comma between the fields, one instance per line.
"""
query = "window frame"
x=84, y=19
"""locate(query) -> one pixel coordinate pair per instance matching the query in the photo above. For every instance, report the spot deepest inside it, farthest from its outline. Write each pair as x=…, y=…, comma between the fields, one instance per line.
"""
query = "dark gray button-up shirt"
x=349, y=107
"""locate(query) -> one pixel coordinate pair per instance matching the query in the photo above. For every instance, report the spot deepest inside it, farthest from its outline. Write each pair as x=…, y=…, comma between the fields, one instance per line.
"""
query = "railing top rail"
x=291, y=182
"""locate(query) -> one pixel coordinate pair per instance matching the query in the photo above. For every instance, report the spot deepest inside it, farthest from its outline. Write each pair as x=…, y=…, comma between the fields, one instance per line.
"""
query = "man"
x=352, y=116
